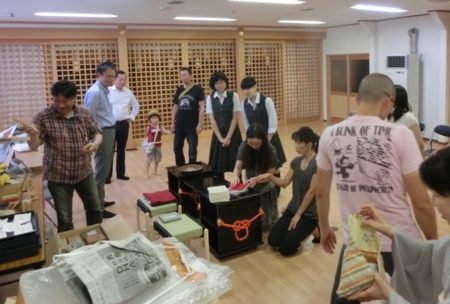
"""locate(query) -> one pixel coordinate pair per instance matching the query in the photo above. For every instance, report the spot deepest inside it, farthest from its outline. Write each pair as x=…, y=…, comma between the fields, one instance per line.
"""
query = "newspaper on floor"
x=114, y=271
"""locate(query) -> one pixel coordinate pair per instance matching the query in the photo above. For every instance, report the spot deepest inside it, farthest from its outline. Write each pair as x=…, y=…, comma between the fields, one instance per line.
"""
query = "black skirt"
x=276, y=142
x=224, y=159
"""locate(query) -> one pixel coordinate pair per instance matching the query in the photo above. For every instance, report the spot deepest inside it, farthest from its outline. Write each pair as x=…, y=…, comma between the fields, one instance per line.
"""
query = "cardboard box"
x=115, y=229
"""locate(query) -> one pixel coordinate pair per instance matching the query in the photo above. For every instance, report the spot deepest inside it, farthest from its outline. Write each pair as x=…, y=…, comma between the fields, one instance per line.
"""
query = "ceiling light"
x=204, y=19
x=42, y=14
x=301, y=22
x=378, y=8
x=272, y=1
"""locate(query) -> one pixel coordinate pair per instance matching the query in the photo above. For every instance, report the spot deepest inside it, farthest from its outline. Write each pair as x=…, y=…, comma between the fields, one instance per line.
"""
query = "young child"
x=155, y=154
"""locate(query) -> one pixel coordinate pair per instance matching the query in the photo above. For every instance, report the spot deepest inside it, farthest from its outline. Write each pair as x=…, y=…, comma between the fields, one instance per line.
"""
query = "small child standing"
x=154, y=128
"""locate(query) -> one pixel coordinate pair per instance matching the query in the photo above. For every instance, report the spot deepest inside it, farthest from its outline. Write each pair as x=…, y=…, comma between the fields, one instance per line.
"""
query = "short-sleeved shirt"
x=188, y=106
x=64, y=139
x=236, y=104
x=408, y=119
x=369, y=157
x=301, y=182
x=252, y=172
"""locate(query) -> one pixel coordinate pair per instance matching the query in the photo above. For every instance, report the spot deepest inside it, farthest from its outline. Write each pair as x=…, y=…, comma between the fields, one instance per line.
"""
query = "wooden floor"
x=260, y=276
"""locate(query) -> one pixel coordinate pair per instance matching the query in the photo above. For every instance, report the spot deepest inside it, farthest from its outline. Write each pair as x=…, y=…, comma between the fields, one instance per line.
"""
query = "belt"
x=111, y=127
x=120, y=121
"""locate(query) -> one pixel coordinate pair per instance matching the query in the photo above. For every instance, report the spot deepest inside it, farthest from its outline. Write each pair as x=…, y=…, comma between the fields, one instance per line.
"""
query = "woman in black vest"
x=257, y=108
x=222, y=106
x=257, y=156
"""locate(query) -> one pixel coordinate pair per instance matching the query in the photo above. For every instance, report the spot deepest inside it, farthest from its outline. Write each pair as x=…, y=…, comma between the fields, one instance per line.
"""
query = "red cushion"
x=160, y=197
x=238, y=187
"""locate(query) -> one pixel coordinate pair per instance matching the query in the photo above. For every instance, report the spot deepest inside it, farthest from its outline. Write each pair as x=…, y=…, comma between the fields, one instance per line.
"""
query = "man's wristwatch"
x=200, y=125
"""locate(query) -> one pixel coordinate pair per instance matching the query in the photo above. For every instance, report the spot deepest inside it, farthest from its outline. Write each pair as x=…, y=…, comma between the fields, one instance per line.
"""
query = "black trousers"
x=388, y=267
x=178, y=143
x=286, y=240
x=122, y=128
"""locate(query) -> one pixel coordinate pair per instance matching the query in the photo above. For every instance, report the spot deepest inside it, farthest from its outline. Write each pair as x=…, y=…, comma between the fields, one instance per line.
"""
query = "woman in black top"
x=257, y=156
x=223, y=108
x=300, y=218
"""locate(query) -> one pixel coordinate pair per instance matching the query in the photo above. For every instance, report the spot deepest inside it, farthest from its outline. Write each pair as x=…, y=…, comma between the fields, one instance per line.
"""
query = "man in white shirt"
x=121, y=100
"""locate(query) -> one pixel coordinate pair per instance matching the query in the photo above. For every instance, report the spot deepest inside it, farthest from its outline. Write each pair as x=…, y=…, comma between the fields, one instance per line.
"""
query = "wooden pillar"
x=240, y=73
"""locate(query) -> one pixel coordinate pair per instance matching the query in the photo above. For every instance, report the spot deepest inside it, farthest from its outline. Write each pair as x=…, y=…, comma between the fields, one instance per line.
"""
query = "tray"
x=190, y=168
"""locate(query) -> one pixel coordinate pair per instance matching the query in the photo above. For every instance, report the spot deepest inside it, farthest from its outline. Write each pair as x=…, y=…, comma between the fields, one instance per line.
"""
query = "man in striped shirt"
x=71, y=135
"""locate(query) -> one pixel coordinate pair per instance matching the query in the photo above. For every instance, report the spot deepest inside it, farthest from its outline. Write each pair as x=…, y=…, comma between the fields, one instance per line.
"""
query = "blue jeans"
x=63, y=197
x=178, y=143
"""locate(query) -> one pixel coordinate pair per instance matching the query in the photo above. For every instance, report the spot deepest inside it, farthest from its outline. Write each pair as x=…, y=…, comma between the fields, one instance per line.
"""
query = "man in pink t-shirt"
x=373, y=162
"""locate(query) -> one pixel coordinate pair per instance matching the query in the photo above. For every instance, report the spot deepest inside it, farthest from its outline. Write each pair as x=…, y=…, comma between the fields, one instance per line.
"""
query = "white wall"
x=349, y=39
x=392, y=38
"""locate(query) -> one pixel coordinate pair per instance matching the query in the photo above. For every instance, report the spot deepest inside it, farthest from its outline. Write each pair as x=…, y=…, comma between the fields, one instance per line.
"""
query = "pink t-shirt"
x=368, y=157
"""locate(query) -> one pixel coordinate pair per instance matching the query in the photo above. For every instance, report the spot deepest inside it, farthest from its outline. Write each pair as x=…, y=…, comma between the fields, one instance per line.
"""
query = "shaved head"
x=374, y=88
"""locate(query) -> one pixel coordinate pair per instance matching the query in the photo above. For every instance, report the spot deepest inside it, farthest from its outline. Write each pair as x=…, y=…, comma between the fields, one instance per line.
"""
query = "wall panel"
x=153, y=77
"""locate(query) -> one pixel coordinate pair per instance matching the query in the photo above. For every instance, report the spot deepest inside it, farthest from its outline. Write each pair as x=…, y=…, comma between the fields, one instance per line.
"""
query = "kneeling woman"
x=256, y=155
x=300, y=219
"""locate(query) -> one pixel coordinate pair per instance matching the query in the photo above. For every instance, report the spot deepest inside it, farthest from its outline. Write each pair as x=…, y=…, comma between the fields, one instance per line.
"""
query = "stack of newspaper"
x=218, y=194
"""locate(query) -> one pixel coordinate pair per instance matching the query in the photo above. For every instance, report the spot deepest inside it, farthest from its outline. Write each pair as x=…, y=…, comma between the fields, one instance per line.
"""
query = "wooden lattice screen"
x=302, y=82
x=25, y=81
x=264, y=61
x=153, y=77
x=78, y=61
x=207, y=57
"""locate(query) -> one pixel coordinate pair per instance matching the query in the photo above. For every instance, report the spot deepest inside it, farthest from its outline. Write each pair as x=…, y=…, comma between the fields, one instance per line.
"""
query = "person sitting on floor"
x=257, y=156
x=300, y=219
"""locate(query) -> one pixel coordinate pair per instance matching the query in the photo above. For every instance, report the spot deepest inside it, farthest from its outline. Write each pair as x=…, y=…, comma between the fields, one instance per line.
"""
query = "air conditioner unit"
x=405, y=71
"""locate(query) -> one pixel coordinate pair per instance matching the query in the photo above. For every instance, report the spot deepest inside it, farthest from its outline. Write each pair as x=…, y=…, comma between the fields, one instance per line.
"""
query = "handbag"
x=362, y=255
x=148, y=146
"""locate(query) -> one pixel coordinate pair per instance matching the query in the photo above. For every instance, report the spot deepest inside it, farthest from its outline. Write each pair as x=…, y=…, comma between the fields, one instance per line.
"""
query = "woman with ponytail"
x=300, y=218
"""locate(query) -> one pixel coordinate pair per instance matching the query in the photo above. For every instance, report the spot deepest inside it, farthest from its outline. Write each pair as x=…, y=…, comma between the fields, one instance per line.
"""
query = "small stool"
x=183, y=230
x=151, y=211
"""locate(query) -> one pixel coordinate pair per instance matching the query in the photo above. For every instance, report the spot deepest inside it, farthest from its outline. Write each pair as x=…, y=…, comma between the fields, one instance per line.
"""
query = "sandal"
x=316, y=240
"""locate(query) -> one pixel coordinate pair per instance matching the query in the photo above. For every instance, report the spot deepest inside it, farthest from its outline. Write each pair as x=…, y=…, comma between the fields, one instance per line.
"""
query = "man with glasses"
x=373, y=162
x=70, y=134
x=97, y=102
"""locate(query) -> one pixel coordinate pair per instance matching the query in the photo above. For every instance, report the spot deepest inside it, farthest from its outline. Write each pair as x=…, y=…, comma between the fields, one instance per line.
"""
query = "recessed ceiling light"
x=204, y=19
x=272, y=1
x=378, y=8
x=301, y=22
x=43, y=14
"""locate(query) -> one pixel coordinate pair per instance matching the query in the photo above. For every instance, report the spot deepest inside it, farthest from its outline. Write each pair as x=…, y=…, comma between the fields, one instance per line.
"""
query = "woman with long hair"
x=403, y=115
x=300, y=218
x=256, y=155
x=421, y=268
x=223, y=108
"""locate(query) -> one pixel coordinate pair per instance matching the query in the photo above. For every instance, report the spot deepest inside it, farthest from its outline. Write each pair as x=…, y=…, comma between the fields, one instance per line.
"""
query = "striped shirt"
x=64, y=138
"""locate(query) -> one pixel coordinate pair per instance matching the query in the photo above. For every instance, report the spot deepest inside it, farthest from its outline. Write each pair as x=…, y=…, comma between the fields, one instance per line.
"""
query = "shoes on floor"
x=123, y=177
x=316, y=240
x=107, y=214
x=107, y=204
x=108, y=181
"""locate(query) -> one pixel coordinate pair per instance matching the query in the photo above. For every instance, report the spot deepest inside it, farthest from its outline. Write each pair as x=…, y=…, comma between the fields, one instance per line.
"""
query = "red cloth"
x=160, y=197
x=238, y=187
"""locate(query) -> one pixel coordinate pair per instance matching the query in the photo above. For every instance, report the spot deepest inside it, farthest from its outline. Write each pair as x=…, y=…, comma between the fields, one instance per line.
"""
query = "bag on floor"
x=362, y=258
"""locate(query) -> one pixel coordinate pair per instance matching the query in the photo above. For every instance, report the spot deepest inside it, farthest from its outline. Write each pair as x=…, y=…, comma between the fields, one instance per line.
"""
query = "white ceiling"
x=147, y=12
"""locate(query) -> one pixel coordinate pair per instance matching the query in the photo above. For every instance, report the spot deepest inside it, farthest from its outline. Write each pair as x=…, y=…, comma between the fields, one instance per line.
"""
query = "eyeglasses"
x=392, y=99
x=220, y=82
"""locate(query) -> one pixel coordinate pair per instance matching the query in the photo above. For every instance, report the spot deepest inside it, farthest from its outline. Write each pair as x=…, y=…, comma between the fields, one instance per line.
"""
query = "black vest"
x=259, y=115
x=223, y=113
